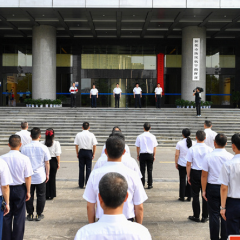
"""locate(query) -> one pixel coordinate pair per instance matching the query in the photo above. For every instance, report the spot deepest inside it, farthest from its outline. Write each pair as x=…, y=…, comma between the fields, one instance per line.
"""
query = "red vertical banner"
x=160, y=70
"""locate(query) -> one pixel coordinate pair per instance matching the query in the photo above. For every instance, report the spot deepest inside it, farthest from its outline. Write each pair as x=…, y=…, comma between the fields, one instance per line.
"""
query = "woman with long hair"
x=55, y=152
x=181, y=163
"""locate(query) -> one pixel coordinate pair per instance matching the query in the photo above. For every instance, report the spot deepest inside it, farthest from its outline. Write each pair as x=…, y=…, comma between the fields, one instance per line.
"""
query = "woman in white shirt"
x=55, y=152
x=181, y=163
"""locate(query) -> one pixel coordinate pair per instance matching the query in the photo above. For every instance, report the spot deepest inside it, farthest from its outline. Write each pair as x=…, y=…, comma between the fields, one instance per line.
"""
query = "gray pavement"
x=164, y=216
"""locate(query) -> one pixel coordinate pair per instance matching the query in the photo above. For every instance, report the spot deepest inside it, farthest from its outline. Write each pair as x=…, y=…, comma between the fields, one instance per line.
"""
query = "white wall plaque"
x=196, y=59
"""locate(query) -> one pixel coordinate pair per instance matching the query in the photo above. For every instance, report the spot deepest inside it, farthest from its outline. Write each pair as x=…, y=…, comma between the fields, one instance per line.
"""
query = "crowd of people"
x=115, y=188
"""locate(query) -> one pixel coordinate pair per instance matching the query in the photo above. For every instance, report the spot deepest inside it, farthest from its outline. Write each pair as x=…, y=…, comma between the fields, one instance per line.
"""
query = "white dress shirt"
x=147, y=142
x=196, y=155
x=158, y=90
x=117, y=90
x=5, y=175
x=212, y=163
x=19, y=166
x=55, y=149
x=137, y=90
x=94, y=91
x=126, y=148
x=183, y=150
x=38, y=154
x=136, y=192
x=127, y=160
x=210, y=137
x=85, y=140
x=113, y=227
x=73, y=90
x=25, y=137
x=230, y=176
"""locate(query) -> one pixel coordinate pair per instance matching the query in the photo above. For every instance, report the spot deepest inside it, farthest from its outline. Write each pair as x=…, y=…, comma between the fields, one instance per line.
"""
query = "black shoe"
x=49, y=198
x=203, y=220
x=39, y=217
x=149, y=187
x=189, y=199
x=181, y=199
x=30, y=217
x=192, y=218
x=81, y=187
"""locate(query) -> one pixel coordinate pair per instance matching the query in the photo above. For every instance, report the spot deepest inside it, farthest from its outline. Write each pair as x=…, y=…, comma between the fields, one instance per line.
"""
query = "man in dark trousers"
x=158, y=95
x=73, y=92
x=197, y=95
x=137, y=93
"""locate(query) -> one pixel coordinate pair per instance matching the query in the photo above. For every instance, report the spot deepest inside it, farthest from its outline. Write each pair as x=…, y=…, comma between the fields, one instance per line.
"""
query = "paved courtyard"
x=164, y=216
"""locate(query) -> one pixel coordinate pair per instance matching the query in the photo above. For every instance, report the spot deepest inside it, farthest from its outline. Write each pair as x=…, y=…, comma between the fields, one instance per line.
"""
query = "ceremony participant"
x=7, y=97
x=55, y=152
x=73, y=92
x=158, y=95
x=85, y=144
x=21, y=171
x=133, y=207
x=21, y=96
x=94, y=96
x=181, y=164
x=113, y=194
x=230, y=189
x=39, y=156
x=210, y=134
x=117, y=95
x=197, y=95
x=28, y=93
x=24, y=134
x=194, y=159
x=146, y=144
x=137, y=94
x=211, y=168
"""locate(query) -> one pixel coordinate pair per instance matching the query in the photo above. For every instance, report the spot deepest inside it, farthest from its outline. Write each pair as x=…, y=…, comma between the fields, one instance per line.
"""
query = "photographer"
x=197, y=93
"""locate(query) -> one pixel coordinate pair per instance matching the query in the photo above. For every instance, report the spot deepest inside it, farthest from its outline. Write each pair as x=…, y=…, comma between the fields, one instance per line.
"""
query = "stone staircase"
x=167, y=123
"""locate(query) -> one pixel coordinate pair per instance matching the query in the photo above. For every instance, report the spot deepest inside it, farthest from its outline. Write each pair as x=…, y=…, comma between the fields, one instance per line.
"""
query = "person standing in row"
x=39, y=157
x=137, y=94
x=181, y=164
x=73, y=92
x=55, y=152
x=24, y=134
x=117, y=95
x=210, y=134
x=21, y=171
x=86, y=145
x=146, y=144
x=158, y=95
x=28, y=93
x=211, y=168
x=94, y=96
x=197, y=95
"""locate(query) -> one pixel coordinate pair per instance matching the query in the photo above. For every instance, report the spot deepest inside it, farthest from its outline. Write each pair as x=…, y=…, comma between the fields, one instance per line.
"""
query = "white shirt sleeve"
x=205, y=164
x=137, y=143
x=189, y=156
x=178, y=146
x=58, y=150
x=47, y=155
x=103, y=149
x=76, y=140
x=156, y=143
x=89, y=194
x=140, y=195
x=224, y=176
x=28, y=171
x=5, y=175
x=94, y=140
x=155, y=90
x=80, y=235
x=127, y=149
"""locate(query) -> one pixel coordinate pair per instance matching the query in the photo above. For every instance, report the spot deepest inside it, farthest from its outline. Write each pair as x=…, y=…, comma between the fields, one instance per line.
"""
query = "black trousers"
x=195, y=178
x=41, y=198
x=233, y=216
x=184, y=186
x=94, y=101
x=138, y=100
x=73, y=100
x=198, y=108
x=158, y=104
x=146, y=159
x=51, y=184
x=117, y=98
x=14, y=221
x=215, y=219
x=85, y=159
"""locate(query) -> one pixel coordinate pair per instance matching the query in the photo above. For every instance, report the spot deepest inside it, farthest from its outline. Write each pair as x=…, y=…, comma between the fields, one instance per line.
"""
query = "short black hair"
x=118, y=134
x=208, y=123
x=147, y=126
x=158, y=84
x=221, y=140
x=113, y=189
x=117, y=83
x=236, y=140
x=201, y=135
x=137, y=84
x=14, y=141
x=24, y=125
x=85, y=125
x=35, y=133
x=116, y=127
x=93, y=84
x=115, y=147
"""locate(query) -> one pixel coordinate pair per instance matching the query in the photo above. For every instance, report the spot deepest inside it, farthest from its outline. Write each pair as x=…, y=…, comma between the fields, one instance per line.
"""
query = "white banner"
x=196, y=59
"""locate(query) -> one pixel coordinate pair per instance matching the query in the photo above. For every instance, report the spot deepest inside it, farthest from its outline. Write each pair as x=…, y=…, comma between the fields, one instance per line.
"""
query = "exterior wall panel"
x=230, y=4
x=35, y=3
x=136, y=3
x=102, y=4
x=69, y=3
x=9, y=3
x=203, y=4
x=169, y=4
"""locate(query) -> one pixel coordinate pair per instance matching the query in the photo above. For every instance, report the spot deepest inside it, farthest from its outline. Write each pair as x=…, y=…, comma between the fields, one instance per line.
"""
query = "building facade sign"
x=196, y=59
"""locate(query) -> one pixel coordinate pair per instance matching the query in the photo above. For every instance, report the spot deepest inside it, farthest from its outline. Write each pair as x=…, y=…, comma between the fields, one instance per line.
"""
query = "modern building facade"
x=46, y=45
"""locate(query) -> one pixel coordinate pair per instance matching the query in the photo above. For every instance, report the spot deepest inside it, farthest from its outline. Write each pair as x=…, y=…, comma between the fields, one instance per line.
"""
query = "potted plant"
x=59, y=102
x=236, y=98
x=178, y=103
x=192, y=103
x=187, y=103
x=210, y=104
x=33, y=102
x=27, y=101
x=182, y=103
x=50, y=102
x=205, y=104
x=37, y=102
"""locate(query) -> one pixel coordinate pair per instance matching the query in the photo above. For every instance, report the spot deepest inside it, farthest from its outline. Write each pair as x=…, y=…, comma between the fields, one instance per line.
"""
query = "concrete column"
x=44, y=62
x=187, y=83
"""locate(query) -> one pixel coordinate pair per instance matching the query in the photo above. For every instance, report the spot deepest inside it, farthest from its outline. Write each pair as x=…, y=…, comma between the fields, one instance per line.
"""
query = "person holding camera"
x=197, y=93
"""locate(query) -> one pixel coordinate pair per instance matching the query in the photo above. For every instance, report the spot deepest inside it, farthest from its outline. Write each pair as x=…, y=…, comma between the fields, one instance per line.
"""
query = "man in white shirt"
x=158, y=95
x=194, y=159
x=39, y=156
x=133, y=207
x=113, y=193
x=86, y=145
x=24, y=134
x=117, y=95
x=230, y=189
x=137, y=94
x=21, y=170
x=210, y=134
x=146, y=144
x=211, y=168
x=73, y=92
x=94, y=96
